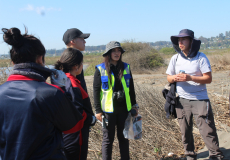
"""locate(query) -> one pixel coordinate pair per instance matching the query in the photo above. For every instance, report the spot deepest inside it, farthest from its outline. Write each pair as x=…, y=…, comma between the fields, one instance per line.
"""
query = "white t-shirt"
x=195, y=66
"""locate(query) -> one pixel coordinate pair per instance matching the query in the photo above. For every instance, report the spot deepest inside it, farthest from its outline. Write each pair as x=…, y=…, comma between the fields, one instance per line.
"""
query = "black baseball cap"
x=73, y=33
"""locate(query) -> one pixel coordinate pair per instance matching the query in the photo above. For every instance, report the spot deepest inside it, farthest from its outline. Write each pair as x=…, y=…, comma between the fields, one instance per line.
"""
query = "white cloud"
x=39, y=10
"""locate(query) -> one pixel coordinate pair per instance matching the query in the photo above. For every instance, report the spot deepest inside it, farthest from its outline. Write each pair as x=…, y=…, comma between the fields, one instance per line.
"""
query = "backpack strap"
x=177, y=56
x=176, y=61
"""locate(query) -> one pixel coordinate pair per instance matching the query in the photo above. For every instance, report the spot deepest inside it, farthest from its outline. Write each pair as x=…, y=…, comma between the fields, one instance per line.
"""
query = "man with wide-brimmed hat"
x=191, y=71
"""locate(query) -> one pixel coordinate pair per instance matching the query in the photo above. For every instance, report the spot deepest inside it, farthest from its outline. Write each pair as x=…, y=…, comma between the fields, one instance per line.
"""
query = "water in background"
x=7, y=70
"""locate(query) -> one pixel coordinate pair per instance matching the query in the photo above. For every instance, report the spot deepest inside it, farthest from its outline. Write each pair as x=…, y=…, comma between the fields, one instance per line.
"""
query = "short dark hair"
x=25, y=48
x=69, y=58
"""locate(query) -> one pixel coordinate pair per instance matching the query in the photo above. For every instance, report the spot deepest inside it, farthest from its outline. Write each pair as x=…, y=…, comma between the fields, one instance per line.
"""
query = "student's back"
x=33, y=114
x=30, y=120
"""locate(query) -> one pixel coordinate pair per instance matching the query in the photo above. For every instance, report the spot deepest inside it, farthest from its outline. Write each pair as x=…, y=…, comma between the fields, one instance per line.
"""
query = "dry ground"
x=159, y=132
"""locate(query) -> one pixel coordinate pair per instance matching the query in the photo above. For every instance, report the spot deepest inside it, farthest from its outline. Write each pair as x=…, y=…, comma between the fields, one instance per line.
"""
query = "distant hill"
x=101, y=48
x=219, y=42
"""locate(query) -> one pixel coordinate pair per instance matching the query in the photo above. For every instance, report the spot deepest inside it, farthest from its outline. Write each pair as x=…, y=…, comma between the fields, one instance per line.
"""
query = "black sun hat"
x=111, y=45
x=195, y=45
x=182, y=33
x=73, y=33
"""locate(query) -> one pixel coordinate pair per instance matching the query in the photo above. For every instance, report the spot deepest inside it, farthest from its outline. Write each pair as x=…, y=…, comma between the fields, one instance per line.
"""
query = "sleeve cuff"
x=99, y=111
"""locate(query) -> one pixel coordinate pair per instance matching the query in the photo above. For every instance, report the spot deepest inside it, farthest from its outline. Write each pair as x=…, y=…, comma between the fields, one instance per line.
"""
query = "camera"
x=119, y=96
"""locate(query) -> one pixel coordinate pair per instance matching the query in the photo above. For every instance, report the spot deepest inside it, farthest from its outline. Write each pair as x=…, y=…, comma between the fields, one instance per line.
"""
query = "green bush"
x=131, y=46
x=167, y=50
x=153, y=60
x=91, y=67
x=141, y=56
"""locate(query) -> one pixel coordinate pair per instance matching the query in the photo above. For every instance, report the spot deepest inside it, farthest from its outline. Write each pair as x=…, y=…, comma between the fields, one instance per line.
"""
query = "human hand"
x=99, y=116
x=182, y=77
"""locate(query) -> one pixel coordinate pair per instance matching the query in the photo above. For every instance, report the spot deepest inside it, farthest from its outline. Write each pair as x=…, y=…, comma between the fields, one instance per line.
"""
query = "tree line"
x=221, y=41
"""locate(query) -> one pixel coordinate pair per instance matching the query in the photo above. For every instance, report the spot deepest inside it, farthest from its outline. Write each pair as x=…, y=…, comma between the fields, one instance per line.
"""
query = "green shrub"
x=141, y=56
x=91, y=66
x=167, y=50
x=131, y=46
x=153, y=60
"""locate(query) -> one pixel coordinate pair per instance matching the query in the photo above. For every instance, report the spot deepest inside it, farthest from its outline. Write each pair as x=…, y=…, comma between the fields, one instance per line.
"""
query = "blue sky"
x=141, y=20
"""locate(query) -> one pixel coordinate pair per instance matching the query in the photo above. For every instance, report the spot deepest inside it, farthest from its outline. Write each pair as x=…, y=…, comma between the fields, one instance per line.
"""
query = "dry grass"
x=5, y=63
x=220, y=108
x=5, y=68
x=220, y=61
x=158, y=132
x=51, y=60
x=3, y=74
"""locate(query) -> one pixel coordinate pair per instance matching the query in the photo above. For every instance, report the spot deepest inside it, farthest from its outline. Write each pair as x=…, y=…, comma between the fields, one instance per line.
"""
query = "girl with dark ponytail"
x=33, y=114
x=25, y=48
x=76, y=144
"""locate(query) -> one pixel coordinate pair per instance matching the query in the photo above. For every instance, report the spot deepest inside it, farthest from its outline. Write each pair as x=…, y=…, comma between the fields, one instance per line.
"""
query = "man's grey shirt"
x=195, y=66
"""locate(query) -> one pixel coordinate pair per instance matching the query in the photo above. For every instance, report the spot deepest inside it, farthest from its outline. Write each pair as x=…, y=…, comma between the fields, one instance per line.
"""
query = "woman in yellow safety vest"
x=114, y=96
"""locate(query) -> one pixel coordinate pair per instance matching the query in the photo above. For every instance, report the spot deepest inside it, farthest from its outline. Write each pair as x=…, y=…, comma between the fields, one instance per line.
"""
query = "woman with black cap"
x=191, y=71
x=114, y=97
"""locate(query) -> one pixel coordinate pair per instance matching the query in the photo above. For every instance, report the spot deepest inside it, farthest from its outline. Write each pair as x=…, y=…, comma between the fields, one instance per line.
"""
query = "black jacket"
x=171, y=100
x=81, y=78
x=79, y=96
x=33, y=115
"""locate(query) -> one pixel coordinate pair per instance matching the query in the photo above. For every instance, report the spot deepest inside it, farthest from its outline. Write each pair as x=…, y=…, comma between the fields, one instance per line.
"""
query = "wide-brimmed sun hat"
x=111, y=45
x=182, y=33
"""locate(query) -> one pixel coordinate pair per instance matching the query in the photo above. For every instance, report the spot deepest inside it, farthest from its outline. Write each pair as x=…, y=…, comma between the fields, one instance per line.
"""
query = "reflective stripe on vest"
x=106, y=95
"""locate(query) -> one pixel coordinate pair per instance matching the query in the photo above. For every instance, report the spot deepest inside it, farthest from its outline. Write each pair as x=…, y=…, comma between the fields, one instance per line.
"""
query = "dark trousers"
x=76, y=144
x=115, y=119
x=202, y=112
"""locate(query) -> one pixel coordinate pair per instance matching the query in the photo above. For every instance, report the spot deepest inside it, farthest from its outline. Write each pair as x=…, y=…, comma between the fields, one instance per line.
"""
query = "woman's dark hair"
x=69, y=58
x=25, y=48
x=120, y=65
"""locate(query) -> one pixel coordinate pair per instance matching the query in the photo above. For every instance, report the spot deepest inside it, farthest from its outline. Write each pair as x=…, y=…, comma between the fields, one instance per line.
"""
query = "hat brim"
x=174, y=39
x=122, y=51
x=84, y=35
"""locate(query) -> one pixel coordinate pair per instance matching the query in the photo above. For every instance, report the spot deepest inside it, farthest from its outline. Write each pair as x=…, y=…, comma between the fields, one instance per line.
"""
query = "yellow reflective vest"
x=106, y=94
